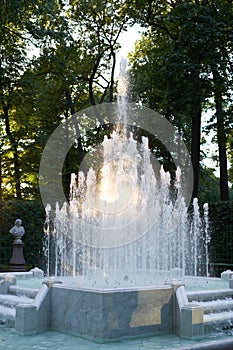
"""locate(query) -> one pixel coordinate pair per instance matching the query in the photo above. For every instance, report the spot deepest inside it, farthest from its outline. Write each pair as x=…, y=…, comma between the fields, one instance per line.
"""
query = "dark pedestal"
x=17, y=262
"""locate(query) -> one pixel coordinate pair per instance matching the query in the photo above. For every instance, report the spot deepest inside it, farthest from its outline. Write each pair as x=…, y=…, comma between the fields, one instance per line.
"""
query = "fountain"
x=122, y=248
x=78, y=249
x=125, y=234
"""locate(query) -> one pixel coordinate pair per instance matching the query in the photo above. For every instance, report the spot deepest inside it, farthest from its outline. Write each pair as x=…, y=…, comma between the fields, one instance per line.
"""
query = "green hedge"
x=33, y=216
x=221, y=245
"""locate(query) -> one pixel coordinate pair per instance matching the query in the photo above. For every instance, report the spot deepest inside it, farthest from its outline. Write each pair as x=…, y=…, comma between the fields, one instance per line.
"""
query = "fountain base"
x=111, y=314
x=107, y=314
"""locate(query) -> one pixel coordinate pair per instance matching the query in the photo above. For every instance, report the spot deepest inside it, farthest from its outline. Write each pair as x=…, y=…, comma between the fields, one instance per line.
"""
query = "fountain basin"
x=68, y=306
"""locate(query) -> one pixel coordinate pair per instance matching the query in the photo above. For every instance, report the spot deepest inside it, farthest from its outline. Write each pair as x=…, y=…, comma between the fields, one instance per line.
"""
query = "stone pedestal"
x=192, y=326
x=17, y=262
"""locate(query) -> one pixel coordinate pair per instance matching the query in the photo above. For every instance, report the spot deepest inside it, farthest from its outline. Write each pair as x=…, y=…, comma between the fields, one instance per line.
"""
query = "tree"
x=22, y=25
x=187, y=39
x=100, y=25
x=74, y=67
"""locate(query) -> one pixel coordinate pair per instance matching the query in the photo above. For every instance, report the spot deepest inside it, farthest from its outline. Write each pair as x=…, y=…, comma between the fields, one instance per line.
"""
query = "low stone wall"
x=111, y=314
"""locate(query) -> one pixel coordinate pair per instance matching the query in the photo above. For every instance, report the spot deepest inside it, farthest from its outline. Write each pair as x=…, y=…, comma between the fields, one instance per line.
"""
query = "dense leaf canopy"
x=58, y=57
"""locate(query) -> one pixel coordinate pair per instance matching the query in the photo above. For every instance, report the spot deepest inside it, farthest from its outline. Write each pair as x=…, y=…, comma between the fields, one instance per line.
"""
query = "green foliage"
x=209, y=186
x=33, y=216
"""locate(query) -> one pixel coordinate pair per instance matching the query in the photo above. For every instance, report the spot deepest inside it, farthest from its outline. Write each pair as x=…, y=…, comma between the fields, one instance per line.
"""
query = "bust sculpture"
x=17, y=231
x=17, y=262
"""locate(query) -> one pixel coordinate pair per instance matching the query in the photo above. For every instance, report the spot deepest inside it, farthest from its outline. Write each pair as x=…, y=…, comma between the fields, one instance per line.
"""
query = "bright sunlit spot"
x=108, y=185
x=117, y=190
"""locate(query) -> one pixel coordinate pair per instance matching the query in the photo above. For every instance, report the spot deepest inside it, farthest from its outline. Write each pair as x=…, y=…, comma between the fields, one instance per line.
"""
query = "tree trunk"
x=14, y=146
x=1, y=199
x=0, y=180
x=111, y=88
x=221, y=137
x=76, y=126
x=91, y=81
x=17, y=172
x=195, y=149
x=66, y=168
x=222, y=150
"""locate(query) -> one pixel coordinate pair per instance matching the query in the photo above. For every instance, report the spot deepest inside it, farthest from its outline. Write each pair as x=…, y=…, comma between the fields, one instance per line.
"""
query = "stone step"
x=218, y=316
x=218, y=321
x=218, y=308
x=22, y=291
x=12, y=300
x=210, y=295
x=218, y=305
x=7, y=316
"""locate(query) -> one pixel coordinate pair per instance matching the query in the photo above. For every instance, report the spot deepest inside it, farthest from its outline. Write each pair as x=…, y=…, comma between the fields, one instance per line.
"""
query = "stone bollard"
x=49, y=282
x=37, y=273
x=5, y=282
x=192, y=326
x=226, y=275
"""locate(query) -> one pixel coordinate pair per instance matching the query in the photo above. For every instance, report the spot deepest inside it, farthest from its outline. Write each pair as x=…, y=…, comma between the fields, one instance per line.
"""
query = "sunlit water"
x=150, y=260
x=191, y=283
x=124, y=226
